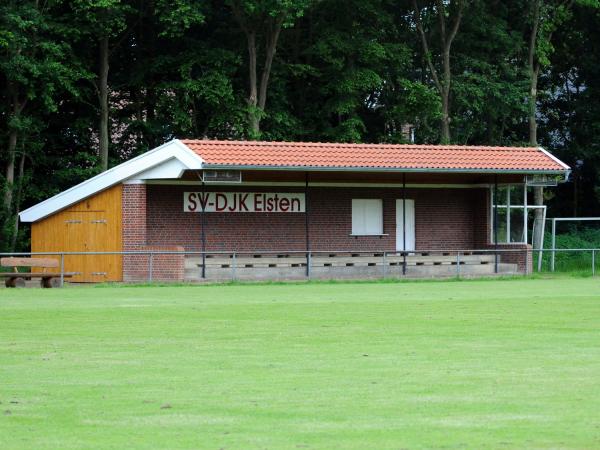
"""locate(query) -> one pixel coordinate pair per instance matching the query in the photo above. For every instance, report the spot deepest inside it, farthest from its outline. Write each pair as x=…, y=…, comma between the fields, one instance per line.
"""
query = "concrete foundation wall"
x=355, y=272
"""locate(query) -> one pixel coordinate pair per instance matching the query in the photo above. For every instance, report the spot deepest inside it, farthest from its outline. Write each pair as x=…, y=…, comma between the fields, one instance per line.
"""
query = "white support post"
x=525, y=215
x=540, y=250
x=553, y=256
x=508, y=189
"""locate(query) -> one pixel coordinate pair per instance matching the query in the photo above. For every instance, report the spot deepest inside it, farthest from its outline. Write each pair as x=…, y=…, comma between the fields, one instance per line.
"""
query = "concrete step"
x=336, y=261
x=350, y=272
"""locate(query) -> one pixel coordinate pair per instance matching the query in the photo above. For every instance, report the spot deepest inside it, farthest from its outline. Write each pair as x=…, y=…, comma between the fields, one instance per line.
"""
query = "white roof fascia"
x=553, y=158
x=127, y=170
x=171, y=169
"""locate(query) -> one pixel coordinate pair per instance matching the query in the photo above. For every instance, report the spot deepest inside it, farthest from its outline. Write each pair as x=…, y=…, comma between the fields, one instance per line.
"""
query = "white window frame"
x=360, y=225
x=509, y=207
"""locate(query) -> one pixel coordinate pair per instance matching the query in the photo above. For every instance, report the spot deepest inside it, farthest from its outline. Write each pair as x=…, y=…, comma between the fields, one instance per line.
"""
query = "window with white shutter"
x=367, y=216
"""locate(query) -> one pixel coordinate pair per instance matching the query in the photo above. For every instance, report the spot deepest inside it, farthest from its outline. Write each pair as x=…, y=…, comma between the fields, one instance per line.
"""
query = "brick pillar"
x=137, y=267
x=519, y=254
x=134, y=232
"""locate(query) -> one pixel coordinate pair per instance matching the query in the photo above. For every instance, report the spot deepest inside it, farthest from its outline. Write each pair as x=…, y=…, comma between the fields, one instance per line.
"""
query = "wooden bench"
x=17, y=279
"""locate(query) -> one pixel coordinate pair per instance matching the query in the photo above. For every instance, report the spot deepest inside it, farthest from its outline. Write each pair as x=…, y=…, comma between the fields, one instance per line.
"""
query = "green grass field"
x=471, y=364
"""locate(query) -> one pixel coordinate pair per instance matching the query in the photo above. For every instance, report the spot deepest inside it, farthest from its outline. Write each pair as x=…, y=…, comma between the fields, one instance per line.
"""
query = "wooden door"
x=91, y=225
x=98, y=237
x=72, y=240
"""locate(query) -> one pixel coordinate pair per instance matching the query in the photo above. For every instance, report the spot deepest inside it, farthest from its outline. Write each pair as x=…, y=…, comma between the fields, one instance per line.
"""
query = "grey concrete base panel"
x=348, y=272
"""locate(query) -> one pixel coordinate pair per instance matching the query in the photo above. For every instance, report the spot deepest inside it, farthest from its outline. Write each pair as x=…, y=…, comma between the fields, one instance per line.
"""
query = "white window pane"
x=502, y=222
x=530, y=196
x=517, y=230
x=516, y=195
x=502, y=195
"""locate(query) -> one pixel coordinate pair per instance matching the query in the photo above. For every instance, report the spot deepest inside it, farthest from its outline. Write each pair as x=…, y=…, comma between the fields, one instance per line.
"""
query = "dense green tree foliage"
x=87, y=84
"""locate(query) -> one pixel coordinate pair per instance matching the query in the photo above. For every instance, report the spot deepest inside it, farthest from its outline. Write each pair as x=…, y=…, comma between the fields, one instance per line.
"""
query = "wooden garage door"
x=91, y=225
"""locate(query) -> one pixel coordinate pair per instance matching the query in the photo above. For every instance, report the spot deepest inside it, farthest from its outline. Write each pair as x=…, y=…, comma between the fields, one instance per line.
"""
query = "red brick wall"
x=481, y=219
x=445, y=219
x=137, y=267
x=134, y=216
x=153, y=219
x=519, y=254
x=166, y=267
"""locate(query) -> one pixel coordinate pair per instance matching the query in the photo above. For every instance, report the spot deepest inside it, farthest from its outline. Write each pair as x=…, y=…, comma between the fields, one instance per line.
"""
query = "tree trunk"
x=270, y=49
x=15, y=228
x=10, y=171
x=257, y=96
x=13, y=135
x=445, y=116
x=253, y=115
x=103, y=100
x=538, y=191
x=538, y=200
x=447, y=74
x=534, y=69
x=533, y=106
x=443, y=82
x=17, y=107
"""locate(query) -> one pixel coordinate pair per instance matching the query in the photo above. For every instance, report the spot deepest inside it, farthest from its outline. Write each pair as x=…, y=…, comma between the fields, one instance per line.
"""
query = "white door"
x=409, y=221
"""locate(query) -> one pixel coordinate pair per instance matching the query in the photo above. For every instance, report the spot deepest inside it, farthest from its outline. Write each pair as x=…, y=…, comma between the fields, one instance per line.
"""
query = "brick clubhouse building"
x=288, y=208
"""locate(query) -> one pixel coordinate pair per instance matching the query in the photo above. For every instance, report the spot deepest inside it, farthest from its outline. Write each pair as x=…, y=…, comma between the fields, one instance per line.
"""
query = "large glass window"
x=514, y=213
x=502, y=225
x=517, y=230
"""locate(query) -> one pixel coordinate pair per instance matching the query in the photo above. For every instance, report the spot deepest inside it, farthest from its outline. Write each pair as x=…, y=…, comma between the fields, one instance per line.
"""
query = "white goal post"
x=553, y=242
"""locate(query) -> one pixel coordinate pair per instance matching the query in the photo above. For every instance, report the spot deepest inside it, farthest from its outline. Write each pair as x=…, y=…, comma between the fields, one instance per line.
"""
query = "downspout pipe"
x=404, y=224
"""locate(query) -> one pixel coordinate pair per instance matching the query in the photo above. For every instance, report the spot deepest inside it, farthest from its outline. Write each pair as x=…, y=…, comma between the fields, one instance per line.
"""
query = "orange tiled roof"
x=373, y=156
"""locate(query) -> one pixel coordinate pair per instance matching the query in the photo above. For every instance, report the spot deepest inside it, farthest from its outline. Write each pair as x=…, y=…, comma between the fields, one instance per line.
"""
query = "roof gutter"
x=564, y=172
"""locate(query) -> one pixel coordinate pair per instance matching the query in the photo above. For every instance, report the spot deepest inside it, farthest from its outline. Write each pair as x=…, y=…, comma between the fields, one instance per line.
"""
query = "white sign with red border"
x=230, y=202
